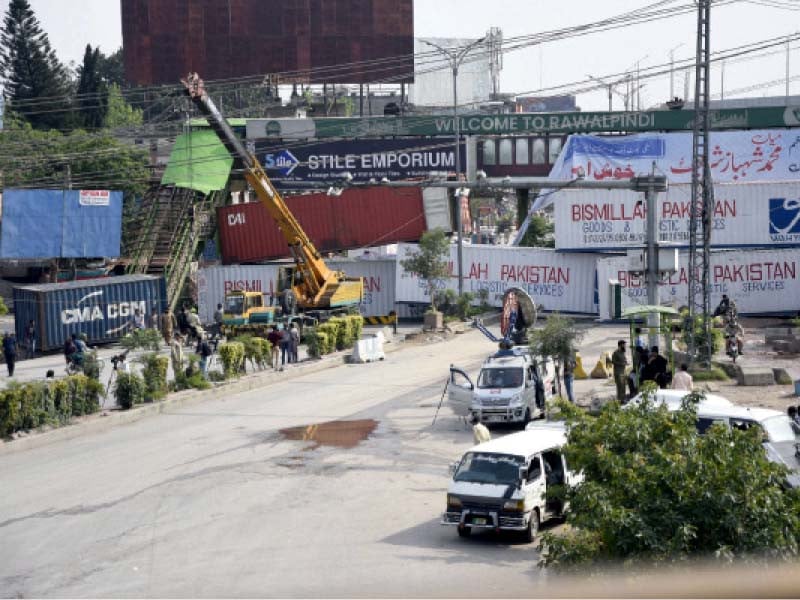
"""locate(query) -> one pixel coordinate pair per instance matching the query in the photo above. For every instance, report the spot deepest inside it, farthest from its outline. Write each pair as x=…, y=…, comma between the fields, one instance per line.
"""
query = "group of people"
x=285, y=344
x=648, y=365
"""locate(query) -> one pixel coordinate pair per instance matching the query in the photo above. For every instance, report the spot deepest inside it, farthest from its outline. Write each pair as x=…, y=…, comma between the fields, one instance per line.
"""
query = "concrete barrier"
x=756, y=376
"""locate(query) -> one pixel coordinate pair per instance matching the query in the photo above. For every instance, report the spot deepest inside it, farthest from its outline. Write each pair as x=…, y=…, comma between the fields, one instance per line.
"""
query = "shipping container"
x=379, y=284
x=557, y=281
x=760, y=281
x=357, y=218
x=753, y=215
x=103, y=309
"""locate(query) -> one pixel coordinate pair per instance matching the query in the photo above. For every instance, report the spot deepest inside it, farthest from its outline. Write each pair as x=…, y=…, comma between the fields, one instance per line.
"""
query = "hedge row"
x=338, y=333
x=25, y=406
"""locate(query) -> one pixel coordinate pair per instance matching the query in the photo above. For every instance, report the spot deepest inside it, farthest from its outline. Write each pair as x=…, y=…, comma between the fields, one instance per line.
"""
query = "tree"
x=44, y=159
x=118, y=112
x=36, y=83
x=91, y=92
x=430, y=262
x=111, y=68
x=655, y=490
x=539, y=233
x=557, y=338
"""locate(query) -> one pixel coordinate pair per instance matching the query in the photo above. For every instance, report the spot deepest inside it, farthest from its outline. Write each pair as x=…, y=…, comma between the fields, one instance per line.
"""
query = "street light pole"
x=455, y=57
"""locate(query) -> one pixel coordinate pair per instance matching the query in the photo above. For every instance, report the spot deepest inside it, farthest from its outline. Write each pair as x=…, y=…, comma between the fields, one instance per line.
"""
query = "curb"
x=103, y=421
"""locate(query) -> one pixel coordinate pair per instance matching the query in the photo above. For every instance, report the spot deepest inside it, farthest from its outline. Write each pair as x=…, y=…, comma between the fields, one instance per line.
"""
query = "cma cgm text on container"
x=103, y=309
x=557, y=281
x=745, y=215
x=760, y=281
x=379, y=284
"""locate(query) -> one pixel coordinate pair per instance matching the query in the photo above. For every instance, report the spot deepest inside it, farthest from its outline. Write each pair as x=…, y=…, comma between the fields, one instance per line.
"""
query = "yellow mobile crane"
x=310, y=286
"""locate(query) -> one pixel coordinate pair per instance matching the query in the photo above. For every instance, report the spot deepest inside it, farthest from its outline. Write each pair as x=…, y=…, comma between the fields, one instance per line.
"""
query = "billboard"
x=559, y=282
x=376, y=159
x=335, y=41
x=760, y=281
x=61, y=224
x=753, y=214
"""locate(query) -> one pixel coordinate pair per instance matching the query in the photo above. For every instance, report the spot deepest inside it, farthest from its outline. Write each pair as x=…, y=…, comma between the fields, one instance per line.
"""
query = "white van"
x=512, y=387
x=780, y=435
x=502, y=484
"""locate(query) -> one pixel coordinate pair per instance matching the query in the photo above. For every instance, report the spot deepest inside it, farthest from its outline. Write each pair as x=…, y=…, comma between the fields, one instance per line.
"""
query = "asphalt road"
x=213, y=500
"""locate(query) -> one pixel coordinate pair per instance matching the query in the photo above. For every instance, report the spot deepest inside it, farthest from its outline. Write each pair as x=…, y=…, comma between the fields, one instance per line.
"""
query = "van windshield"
x=501, y=378
x=779, y=429
x=489, y=468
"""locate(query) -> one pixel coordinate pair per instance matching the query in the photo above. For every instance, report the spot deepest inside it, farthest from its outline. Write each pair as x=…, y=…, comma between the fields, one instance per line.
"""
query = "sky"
x=71, y=24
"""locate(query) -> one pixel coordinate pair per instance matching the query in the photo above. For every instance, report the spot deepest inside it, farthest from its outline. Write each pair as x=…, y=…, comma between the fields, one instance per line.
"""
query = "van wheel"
x=463, y=532
x=533, y=527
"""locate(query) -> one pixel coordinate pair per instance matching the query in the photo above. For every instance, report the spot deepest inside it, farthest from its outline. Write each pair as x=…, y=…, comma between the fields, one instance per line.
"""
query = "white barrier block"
x=369, y=349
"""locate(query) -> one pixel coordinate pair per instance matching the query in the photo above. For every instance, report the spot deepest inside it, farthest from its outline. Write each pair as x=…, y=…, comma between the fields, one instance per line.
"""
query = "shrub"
x=315, y=341
x=357, y=324
x=254, y=350
x=25, y=406
x=695, y=332
x=146, y=339
x=655, y=491
x=154, y=374
x=463, y=304
x=232, y=355
x=129, y=390
x=91, y=366
x=340, y=332
x=712, y=374
x=330, y=330
x=483, y=298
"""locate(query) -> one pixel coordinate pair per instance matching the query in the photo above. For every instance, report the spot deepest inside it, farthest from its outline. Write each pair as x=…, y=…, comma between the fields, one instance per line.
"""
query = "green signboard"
x=522, y=123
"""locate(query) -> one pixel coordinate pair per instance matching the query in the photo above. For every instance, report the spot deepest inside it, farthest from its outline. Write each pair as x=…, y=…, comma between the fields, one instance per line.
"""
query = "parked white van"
x=502, y=484
x=780, y=435
x=512, y=387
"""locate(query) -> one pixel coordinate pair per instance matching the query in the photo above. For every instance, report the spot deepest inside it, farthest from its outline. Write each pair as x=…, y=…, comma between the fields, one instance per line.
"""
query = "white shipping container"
x=745, y=215
x=379, y=284
x=557, y=281
x=760, y=281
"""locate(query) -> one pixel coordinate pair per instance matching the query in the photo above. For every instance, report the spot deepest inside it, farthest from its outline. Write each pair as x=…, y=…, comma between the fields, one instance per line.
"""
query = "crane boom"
x=315, y=286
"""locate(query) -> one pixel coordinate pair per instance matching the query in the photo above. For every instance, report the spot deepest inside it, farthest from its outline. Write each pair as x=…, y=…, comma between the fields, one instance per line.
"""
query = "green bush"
x=655, y=491
x=146, y=339
x=232, y=355
x=91, y=365
x=341, y=332
x=129, y=390
x=357, y=327
x=463, y=304
x=712, y=374
x=695, y=332
x=25, y=406
x=330, y=330
x=315, y=341
x=154, y=374
x=254, y=350
x=3, y=307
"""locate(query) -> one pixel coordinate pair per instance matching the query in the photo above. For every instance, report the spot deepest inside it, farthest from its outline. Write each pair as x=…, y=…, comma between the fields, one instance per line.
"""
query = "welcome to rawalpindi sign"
x=521, y=123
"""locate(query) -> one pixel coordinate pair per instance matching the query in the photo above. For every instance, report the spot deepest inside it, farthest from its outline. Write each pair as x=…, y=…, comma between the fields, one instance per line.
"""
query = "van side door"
x=535, y=485
x=460, y=390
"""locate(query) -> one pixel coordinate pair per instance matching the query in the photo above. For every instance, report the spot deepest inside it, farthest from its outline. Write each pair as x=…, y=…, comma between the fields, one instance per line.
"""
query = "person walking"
x=285, y=342
x=218, y=320
x=569, y=375
x=274, y=338
x=30, y=339
x=176, y=353
x=10, y=352
x=204, y=350
x=294, y=344
x=619, y=361
x=168, y=324
x=682, y=379
x=660, y=368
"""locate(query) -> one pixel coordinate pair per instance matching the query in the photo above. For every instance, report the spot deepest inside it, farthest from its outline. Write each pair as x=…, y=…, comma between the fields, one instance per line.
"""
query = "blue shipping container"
x=61, y=223
x=103, y=309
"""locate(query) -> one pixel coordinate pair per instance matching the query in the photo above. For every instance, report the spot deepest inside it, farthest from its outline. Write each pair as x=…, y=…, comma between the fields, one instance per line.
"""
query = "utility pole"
x=455, y=57
x=788, y=50
x=702, y=196
x=651, y=185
